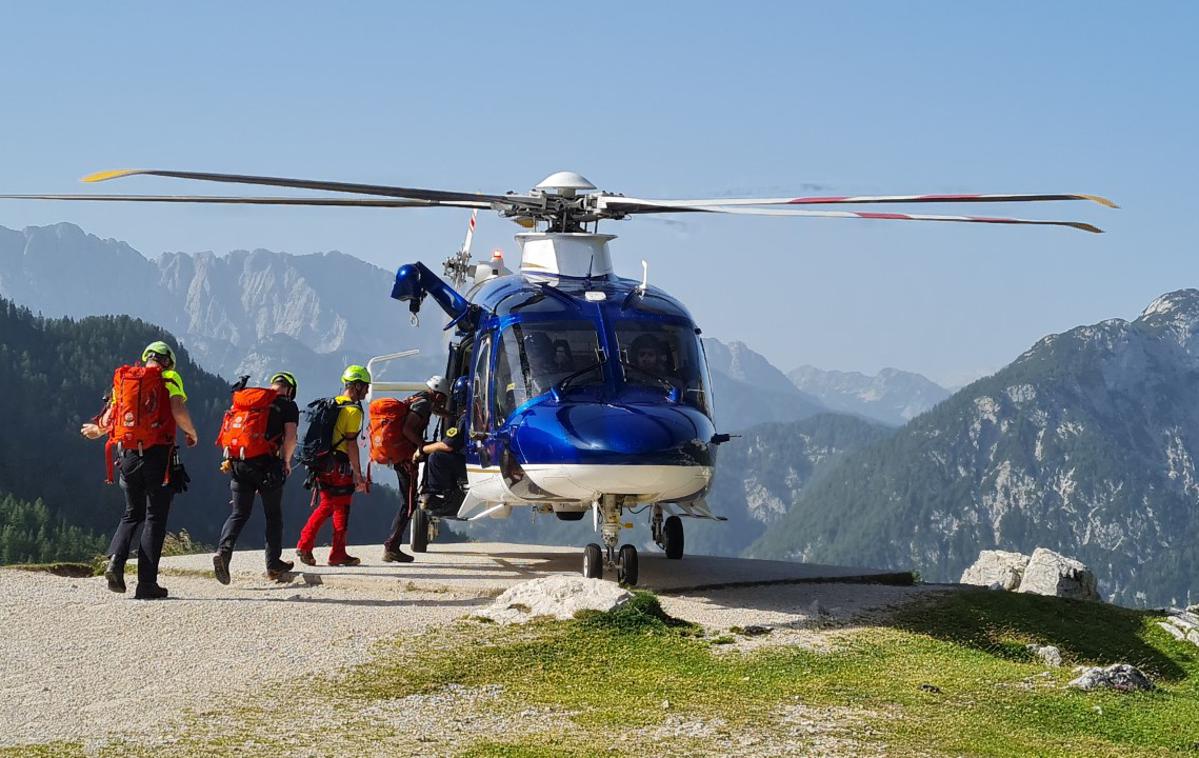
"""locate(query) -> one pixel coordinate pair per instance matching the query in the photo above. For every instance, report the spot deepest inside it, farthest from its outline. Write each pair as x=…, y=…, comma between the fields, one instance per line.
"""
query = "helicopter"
x=587, y=392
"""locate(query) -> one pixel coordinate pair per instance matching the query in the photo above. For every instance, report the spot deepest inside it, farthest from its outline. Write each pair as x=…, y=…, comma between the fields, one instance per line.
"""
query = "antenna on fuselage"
x=644, y=276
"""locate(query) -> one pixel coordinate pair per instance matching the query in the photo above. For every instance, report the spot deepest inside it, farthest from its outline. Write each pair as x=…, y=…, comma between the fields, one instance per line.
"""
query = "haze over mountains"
x=891, y=396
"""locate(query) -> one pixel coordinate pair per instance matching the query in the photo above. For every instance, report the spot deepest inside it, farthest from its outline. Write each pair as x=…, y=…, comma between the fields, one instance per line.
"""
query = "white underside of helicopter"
x=580, y=485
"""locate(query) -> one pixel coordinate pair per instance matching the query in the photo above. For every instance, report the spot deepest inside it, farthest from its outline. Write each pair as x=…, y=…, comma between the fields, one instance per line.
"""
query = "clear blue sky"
x=667, y=100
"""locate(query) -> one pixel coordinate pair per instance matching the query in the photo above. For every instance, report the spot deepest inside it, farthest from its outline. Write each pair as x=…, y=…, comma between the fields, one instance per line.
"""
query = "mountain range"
x=891, y=396
x=248, y=312
x=253, y=312
x=1086, y=444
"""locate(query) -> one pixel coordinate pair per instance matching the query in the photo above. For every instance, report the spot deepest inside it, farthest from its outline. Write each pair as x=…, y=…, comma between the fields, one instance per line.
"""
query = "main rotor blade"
x=864, y=199
x=358, y=189
x=349, y=202
x=664, y=208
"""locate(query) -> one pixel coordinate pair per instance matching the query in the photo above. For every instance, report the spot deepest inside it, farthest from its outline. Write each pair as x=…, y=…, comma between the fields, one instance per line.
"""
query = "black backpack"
x=316, y=452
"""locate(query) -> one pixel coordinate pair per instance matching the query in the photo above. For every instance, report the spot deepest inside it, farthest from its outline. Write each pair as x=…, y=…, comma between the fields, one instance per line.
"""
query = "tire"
x=419, y=539
x=570, y=515
x=672, y=538
x=593, y=562
x=626, y=566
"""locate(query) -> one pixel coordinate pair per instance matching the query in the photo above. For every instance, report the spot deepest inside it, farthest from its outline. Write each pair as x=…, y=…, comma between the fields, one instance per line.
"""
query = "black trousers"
x=251, y=478
x=404, y=477
x=147, y=502
x=443, y=472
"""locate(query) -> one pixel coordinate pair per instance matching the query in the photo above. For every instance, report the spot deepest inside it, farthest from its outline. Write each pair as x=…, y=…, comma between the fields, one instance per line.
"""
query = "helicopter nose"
x=603, y=433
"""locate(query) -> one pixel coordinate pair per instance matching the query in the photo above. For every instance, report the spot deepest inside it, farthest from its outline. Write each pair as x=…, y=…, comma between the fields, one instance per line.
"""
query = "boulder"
x=1049, y=573
x=997, y=569
x=1048, y=654
x=558, y=596
x=1121, y=677
x=1182, y=625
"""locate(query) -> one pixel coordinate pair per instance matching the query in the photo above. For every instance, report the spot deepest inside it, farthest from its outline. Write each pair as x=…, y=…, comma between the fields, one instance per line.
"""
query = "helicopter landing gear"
x=606, y=516
x=421, y=529
x=626, y=566
x=593, y=562
x=668, y=533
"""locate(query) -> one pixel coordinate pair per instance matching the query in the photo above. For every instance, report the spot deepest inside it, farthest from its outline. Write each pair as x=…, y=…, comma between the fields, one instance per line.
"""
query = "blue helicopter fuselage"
x=578, y=387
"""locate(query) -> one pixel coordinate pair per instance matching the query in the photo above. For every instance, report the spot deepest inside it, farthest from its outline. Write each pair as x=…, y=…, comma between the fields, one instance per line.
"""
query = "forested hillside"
x=54, y=374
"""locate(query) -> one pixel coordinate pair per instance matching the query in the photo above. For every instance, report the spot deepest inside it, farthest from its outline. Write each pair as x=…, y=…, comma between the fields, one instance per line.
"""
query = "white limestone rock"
x=1121, y=677
x=558, y=596
x=996, y=567
x=1048, y=654
x=1053, y=574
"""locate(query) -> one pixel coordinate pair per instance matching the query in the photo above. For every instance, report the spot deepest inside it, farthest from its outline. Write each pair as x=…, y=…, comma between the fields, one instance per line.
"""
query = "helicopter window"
x=666, y=356
x=479, y=393
x=533, y=357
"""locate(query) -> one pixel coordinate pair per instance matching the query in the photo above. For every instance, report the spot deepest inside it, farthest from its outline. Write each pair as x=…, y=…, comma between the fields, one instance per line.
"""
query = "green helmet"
x=355, y=373
x=160, y=349
x=286, y=378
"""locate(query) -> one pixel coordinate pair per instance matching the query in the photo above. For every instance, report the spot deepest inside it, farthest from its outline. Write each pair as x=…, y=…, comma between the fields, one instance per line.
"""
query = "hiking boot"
x=349, y=560
x=114, y=573
x=153, y=592
x=279, y=570
x=396, y=556
x=306, y=557
x=220, y=567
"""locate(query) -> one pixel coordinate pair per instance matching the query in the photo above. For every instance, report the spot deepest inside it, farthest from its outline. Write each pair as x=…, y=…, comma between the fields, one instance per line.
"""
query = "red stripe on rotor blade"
x=802, y=200
x=898, y=216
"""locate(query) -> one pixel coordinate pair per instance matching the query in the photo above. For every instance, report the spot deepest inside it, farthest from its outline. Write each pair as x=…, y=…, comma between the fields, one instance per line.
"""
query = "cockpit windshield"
x=534, y=356
x=665, y=356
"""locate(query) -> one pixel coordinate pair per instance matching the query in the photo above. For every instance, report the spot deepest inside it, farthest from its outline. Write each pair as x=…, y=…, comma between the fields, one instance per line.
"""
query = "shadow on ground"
x=1002, y=623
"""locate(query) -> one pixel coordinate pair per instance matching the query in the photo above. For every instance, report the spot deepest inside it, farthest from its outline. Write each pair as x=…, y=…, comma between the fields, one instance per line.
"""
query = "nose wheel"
x=623, y=561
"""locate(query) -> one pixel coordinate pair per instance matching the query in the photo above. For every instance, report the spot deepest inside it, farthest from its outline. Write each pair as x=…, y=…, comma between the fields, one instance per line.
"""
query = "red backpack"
x=387, y=417
x=140, y=412
x=243, y=432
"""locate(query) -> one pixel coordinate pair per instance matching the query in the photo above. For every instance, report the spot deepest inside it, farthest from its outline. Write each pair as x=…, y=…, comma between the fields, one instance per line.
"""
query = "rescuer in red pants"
x=336, y=486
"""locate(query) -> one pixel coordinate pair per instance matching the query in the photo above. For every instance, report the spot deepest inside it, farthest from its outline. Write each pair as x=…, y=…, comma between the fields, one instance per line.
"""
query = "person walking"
x=332, y=454
x=421, y=407
x=148, y=404
x=274, y=411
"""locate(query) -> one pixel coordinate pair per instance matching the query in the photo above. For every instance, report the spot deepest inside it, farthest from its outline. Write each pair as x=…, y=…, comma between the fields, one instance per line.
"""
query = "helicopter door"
x=480, y=402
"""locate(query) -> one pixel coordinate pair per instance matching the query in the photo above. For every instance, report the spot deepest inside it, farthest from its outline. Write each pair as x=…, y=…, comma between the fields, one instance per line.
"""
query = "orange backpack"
x=388, y=443
x=243, y=432
x=140, y=412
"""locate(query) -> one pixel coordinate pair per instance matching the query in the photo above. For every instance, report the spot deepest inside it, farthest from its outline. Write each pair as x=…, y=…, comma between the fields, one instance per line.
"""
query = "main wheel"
x=420, y=531
x=626, y=566
x=593, y=562
x=672, y=538
x=570, y=515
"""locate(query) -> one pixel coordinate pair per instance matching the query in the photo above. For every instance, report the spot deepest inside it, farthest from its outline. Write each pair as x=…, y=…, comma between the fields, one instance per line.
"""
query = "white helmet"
x=437, y=383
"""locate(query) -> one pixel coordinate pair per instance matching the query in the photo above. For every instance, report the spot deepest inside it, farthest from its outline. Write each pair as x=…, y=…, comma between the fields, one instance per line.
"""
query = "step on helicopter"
x=587, y=392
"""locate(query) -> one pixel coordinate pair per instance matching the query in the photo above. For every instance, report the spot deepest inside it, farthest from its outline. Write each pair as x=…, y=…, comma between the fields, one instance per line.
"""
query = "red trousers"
x=328, y=504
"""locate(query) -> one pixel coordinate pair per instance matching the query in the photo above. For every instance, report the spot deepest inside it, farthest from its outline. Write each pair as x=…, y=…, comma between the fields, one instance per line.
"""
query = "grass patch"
x=949, y=675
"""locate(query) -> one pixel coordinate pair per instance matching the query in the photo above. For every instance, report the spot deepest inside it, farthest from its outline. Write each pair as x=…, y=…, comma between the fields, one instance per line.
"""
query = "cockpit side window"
x=480, y=386
x=534, y=356
x=664, y=356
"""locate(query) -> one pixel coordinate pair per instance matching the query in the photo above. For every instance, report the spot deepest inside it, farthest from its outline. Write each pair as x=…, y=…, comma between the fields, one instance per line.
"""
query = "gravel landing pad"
x=81, y=664
x=491, y=567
